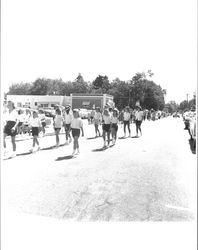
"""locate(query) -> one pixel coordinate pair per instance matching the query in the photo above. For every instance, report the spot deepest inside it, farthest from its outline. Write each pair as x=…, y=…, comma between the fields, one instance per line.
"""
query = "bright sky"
x=117, y=38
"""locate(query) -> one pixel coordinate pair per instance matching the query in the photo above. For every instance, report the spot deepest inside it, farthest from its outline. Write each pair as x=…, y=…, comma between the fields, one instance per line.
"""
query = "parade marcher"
x=92, y=115
x=26, y=123
x=58, y=123
x=127, y=118
x=89, y=117
x=139, y=116
x=76, y=126
x=111, y=111
x=106, y=127
x=121, y=117
x=67, y=119
x=10, y=128
x=149, y=115
x=97, y=119
x=114, y=125
x=35, y=125
x=21, y=121
x=43, y=120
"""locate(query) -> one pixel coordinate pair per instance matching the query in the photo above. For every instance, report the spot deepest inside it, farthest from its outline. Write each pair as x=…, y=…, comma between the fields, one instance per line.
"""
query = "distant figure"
x=76, y=126
x=92, y=115
x=139, y=116
x=26, y=123
x=42, y=119
x=127, y=118
x=114, y=125
x=35, y=125
x=58, y=122
x=10, y=127
x=97, y=119
x=89, y=117
x=21, y=121
x=67, y=119
x=149, y=115
x=106, y=127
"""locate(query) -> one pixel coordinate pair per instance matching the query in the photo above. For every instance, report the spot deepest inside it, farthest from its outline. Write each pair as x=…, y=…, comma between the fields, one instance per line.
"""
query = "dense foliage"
x=139, y=88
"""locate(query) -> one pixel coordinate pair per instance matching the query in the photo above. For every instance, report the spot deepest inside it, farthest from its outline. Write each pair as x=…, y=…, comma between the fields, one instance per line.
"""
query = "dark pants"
x=127, y=123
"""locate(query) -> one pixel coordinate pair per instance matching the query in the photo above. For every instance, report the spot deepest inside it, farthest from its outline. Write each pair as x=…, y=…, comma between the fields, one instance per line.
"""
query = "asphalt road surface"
x=150, y=178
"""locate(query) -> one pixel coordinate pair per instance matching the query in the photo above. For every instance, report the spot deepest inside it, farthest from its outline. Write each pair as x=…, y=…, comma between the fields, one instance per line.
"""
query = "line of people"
x=72, y=123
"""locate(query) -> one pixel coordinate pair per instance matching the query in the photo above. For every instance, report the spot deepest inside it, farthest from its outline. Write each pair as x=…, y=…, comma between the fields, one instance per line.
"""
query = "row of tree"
x=140, y=88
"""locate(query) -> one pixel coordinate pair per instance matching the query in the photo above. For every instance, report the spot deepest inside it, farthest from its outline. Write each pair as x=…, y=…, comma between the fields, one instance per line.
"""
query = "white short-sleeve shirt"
x=35, y=122
x=107, y=119
x=58, y=120
x=114, y=119
x=127, y=116
x=12, y=116
x=77, y=123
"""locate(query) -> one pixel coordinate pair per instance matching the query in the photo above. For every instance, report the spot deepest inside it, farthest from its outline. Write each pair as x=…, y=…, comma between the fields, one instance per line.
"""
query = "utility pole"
x=187, y=100
x=187, y=97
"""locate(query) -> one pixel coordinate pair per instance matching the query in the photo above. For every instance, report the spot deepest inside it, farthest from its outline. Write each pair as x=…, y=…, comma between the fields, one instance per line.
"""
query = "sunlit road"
x=151, y=178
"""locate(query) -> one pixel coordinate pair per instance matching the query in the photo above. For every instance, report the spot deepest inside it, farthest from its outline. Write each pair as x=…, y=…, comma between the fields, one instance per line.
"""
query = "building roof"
x=86, y=94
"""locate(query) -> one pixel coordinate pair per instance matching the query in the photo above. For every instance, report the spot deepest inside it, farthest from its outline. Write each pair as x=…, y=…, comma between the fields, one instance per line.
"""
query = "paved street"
x=151, y=178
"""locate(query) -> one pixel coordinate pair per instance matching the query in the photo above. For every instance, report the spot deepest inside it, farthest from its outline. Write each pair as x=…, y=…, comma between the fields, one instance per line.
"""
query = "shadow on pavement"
x=99, y=149
x=68, y=157
x=91, y=138
x=192, y=144
x=53, y=147
x=27, y=153
x=48, y=148
x=134, y=136
x=122, y=137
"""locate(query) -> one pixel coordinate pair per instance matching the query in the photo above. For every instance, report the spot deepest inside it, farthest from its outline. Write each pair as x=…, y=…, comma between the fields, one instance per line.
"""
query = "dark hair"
x=20, y=111
x=12, y=104
x=58, y=111
x=76, y=111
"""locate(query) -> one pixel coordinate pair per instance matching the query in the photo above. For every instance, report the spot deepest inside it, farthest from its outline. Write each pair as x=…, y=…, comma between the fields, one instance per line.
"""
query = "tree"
x=183, y=105
x=79, y=85
x=120, y=90
x=172, y=106
x=149, y=94
x=101, y=83
x=79, y=78
x=19, y=89
x=40, y=87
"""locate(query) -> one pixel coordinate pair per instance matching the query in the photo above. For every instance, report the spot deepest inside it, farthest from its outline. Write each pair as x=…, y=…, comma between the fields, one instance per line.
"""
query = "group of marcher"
x=33, y=123
x=110, y=118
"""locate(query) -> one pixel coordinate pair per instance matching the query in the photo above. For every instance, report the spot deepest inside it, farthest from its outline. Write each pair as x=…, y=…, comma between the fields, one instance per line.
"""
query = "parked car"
x=49, y=113
x=83, y=113
x=176, y=115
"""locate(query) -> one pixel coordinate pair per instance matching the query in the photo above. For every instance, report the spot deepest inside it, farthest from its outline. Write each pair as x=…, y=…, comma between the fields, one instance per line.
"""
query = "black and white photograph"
x=98, y=124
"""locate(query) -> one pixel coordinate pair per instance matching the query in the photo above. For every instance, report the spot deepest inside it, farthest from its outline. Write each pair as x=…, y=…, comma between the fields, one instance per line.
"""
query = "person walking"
x=92, y=115
x=114, y=125
x=58, y=123
x=21, y=121
x=97, y=119
x=35, y=125
x=139, y=116
x=10, y=128
x=127, y=118
x=106, y=127
x=67, y=119
x=43, y=120
x=26, y=123
x=76, y=126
